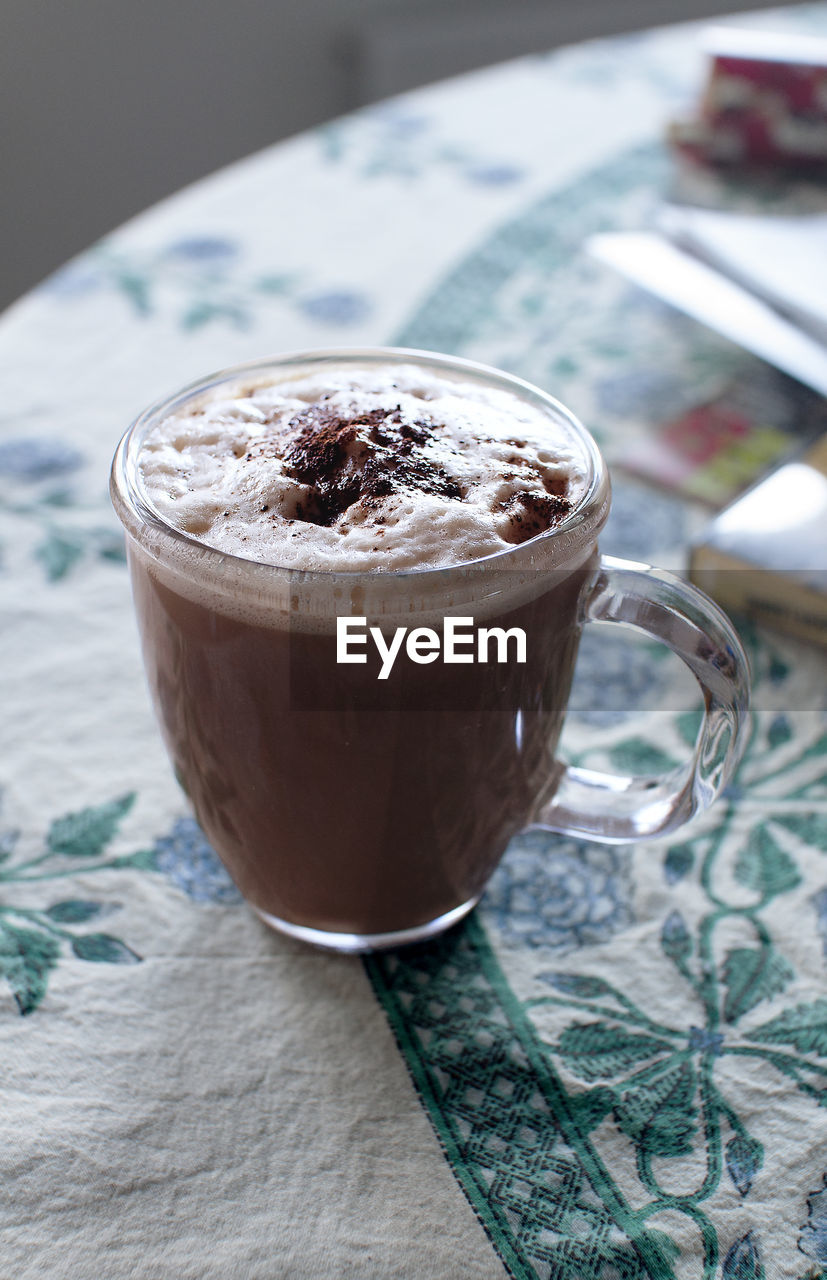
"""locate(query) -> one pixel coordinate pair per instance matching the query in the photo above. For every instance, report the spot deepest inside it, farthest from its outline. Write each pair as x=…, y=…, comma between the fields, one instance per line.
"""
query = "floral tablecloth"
x=617, y=1067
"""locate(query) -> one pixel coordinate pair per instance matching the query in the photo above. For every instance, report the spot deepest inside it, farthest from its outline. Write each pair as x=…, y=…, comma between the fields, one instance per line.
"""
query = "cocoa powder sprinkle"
x=533, y=513
x=364, y=458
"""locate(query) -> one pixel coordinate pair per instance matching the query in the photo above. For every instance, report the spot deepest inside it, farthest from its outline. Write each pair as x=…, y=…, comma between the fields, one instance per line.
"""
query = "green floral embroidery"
x=743, y=1260
x=516, y=1140
x=62, y=548
x=37, y=485
x=33, y=940
x=662, y=1077
x=199, y=280
x=521, y=1102
x=392, y=141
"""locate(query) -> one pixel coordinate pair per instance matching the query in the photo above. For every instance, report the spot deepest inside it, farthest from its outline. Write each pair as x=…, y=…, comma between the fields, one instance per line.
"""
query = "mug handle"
x=611, y=808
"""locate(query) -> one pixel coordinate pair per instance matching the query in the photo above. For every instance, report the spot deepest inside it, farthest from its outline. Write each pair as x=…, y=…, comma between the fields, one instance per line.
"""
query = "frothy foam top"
x=357, y=469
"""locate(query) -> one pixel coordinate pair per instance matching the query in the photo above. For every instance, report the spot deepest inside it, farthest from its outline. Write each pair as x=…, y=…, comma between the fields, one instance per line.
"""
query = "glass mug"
x=358, y=813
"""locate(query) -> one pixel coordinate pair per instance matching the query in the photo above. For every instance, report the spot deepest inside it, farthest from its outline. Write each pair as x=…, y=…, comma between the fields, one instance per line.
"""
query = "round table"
x=617, y=1066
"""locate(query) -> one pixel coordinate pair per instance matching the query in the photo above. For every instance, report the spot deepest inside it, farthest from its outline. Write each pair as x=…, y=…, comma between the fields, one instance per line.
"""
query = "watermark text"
x=459, y=641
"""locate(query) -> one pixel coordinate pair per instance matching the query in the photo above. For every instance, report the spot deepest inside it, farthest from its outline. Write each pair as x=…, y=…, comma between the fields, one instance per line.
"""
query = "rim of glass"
x=124, y=478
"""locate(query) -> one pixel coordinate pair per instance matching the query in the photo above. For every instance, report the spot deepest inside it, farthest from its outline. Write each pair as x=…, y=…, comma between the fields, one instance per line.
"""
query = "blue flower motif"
x=613, y=678
x=704, y=1041
x=551, y=891
x=643, y=523
x=337, y=307
x=74, y=280
x=403, y=124
x=192, y=864
x=37, y=458
x=813, y=1239
x=678, y=862
x=208, y=249
x=494, y=175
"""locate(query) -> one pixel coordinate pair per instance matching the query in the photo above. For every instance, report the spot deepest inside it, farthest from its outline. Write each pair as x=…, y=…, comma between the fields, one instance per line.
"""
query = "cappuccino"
x=293, y=511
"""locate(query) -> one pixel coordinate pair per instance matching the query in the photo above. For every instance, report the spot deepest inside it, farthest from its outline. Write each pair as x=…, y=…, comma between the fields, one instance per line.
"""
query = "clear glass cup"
x=359, y=813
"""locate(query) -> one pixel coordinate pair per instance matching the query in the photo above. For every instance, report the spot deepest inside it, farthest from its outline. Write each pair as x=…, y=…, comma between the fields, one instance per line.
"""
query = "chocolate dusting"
x=345, y=460
x=533, y=513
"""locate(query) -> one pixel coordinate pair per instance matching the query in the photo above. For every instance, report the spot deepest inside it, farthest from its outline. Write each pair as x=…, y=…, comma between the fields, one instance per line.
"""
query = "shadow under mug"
x=358, y=813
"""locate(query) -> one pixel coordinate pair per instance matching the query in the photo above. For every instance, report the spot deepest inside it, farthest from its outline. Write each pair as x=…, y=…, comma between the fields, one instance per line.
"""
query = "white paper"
x=781, y=259
x=697, y=289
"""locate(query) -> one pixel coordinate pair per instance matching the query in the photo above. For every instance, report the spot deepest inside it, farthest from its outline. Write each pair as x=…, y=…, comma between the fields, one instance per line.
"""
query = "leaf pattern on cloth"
x=393, y=141
x=752, y=974
x=202, y=281
x=743, y=1260
x=804, y=1027
x=813, y=1239
x=598, y=1051
x=38, y=486
x=744, y=1158
x=763, y=866
x=87, y=833
x=614, y=1071
x=660, y=1115
x=26, y=957
x=33, y=940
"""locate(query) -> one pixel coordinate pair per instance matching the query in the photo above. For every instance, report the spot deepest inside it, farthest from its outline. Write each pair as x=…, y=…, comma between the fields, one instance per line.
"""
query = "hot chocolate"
x=351, y=808
x=360, y=579
x=338, y=802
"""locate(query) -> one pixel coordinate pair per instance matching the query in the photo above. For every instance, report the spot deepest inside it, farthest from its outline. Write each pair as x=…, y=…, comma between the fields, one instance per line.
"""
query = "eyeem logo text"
x=460, y=641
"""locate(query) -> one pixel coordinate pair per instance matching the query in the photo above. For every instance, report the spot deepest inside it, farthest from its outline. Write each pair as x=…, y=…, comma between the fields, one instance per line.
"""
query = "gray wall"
x=107, y=105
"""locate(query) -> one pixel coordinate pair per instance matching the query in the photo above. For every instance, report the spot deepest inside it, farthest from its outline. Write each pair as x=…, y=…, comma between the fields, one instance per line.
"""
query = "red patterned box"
x=765, y=102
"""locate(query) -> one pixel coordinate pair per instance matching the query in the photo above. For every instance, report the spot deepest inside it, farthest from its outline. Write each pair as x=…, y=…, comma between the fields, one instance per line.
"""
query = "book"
x=764, y=102
x=713, y=451
x=766, y=553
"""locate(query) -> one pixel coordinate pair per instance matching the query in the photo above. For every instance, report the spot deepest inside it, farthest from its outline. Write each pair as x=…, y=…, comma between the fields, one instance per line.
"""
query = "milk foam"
x=443, y=472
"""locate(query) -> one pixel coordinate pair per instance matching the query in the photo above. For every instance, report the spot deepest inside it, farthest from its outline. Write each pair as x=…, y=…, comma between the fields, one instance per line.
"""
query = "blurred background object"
x=765, y=554
x=109, y=106
x=765, y=102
